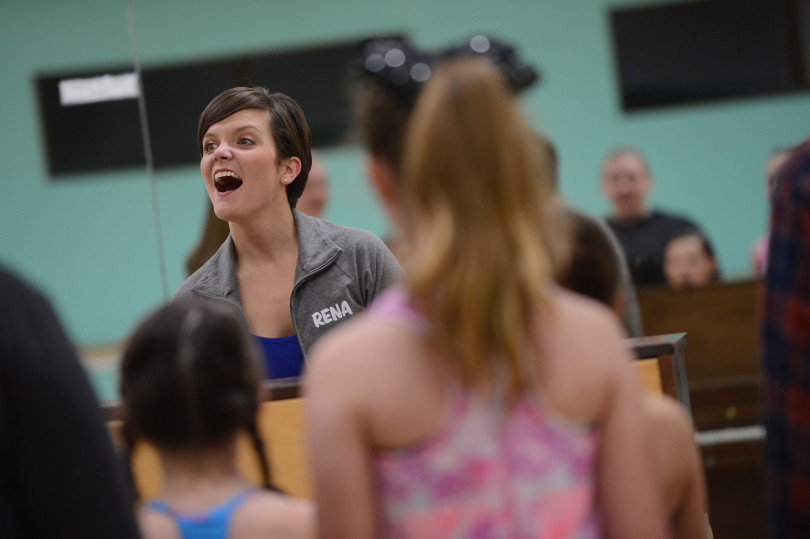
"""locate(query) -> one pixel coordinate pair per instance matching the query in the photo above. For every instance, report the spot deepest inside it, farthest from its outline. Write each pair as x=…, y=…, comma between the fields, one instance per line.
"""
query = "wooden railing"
x=666, y=354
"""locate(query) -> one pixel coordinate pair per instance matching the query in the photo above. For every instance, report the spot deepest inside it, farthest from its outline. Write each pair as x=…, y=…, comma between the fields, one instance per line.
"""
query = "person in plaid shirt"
x=785, y=332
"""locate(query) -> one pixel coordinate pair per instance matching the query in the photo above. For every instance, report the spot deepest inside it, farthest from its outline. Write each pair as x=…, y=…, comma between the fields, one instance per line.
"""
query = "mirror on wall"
x=77, y=229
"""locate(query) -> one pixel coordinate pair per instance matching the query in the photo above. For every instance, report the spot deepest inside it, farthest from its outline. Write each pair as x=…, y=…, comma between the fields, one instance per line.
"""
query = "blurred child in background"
x=689, y=260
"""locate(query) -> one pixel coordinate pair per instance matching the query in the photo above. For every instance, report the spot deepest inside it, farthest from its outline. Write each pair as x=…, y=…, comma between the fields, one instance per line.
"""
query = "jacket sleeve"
x=383, y=269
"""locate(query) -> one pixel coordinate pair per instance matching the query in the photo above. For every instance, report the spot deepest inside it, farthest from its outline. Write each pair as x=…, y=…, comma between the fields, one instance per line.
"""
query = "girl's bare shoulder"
x=583, y=355
x=269, y=514
x=585, y=326
x=156, y=525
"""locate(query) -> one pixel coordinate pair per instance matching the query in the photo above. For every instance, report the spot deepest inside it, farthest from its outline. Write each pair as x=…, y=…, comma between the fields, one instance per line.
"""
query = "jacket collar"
x=218, y=275
x=315, y=250
x=315, y=247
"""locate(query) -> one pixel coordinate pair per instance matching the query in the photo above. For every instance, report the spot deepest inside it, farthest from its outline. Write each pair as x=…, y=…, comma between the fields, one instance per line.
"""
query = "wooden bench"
x=721, y=323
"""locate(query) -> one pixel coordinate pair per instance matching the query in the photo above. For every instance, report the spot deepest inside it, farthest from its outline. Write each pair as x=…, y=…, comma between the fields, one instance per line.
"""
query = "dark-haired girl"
x=190, y=384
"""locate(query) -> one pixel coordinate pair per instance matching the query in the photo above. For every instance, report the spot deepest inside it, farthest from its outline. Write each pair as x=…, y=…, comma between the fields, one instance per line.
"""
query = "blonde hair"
x=481, y=219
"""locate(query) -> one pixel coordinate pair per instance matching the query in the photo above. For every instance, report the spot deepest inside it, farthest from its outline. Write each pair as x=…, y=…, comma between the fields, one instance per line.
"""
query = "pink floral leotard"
x=525, y=472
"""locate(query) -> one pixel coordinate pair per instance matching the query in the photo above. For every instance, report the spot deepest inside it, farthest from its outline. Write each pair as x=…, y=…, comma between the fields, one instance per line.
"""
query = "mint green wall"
x=90, y=244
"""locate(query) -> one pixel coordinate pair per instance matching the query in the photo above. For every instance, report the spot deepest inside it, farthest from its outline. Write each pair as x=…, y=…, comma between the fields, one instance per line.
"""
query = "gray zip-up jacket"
x=339, y=271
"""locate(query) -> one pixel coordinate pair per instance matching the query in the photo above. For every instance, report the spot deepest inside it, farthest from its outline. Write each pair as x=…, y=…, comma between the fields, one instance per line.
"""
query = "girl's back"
x=445, y=462
x=481, y=401
x=519, y=470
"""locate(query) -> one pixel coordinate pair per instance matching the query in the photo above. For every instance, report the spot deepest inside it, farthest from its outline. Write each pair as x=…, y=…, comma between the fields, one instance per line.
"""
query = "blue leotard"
x=210, y=524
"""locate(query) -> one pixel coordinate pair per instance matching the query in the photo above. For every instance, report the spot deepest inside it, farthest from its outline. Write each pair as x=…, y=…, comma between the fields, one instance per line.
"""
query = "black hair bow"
x=402, y=69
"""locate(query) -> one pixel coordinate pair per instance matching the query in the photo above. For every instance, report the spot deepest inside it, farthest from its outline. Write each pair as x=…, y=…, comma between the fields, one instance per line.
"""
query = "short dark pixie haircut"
x=288, y=126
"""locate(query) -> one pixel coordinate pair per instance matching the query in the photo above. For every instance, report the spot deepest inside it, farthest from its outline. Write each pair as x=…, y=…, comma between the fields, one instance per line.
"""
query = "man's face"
x=315, y=198
x=626, y=183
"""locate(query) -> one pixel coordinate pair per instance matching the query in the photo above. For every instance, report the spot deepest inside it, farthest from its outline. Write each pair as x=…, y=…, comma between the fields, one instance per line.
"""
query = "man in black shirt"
x=642, y=231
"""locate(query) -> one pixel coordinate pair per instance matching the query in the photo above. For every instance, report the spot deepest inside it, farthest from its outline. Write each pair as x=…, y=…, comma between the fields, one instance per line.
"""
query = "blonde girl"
x=479, y=399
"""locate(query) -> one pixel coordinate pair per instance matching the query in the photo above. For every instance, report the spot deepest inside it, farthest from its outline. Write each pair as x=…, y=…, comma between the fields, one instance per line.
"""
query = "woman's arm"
x=627, y=488
x=680, y=467
x=339, y=451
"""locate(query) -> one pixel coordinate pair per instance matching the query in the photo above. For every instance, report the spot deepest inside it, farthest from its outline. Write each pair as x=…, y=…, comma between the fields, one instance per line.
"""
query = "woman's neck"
x=265, y=238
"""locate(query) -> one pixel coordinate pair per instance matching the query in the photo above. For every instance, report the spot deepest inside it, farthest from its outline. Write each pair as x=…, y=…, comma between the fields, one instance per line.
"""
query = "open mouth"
x=227, y=181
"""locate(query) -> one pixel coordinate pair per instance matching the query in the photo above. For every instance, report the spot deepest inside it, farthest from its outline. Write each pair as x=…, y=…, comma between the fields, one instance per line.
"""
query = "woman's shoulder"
x=217, y=276
x=342, y=235
x=362, y=251
x=269, y=514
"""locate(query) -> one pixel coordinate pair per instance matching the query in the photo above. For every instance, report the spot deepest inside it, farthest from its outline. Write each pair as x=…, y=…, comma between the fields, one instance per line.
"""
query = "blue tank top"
x=210, y=524
x=282, y=356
